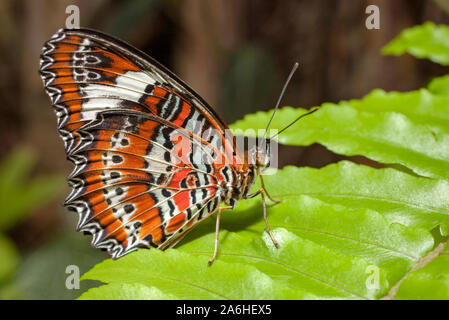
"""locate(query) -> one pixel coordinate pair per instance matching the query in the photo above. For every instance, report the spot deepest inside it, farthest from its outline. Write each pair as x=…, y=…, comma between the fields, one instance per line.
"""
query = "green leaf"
x=422, y=106
x=9, y=258
x=400, y=197
x=428, y=283
x=440, y=86
x=19, y=194
x=186, y=276
x=335, y=226
x=409, y=129
x=126, y=291
x=427, y=41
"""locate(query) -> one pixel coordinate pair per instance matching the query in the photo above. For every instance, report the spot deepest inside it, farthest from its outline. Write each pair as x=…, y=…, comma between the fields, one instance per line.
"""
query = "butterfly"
x=151, y=158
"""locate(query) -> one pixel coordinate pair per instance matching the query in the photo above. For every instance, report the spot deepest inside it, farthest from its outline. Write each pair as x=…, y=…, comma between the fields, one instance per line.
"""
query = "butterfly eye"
x=260, y=159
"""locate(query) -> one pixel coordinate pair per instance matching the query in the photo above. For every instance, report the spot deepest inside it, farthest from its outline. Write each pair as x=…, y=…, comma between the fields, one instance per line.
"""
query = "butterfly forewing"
x=149, y=153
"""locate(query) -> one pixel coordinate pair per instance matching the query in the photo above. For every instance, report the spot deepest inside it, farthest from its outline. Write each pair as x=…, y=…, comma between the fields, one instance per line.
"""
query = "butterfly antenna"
x=295, y=66
x=294, y=121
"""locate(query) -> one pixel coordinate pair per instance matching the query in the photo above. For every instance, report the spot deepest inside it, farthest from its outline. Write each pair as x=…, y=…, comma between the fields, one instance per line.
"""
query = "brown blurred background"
x=235, y=53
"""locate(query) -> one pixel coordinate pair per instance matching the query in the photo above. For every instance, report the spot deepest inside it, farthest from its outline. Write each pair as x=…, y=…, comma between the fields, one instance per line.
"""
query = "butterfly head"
x=259, y=156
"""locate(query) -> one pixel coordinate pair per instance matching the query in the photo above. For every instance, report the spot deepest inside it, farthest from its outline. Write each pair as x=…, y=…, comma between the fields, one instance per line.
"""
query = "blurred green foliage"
x=130, y=12
x=19, y=195
x=42, y=273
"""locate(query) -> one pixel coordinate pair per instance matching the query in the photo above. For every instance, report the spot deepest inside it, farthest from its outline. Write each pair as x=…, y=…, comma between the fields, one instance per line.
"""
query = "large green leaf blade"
x=402, y=198
x=186, y=276
x=322, y=250
x=332, y=235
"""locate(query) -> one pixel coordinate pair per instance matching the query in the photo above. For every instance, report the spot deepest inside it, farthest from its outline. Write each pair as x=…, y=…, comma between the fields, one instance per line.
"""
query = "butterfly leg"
x=217, y=229
x=262, y=193
x=266, y=192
